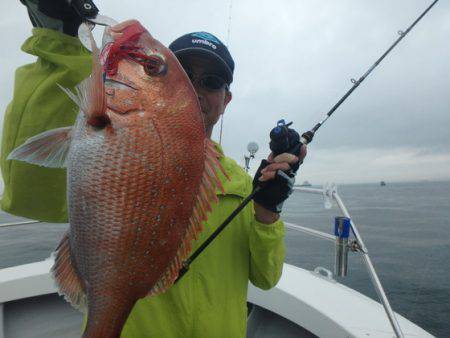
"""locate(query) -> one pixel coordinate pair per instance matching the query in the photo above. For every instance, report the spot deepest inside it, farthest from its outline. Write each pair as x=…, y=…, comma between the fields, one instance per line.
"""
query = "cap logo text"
x=205, y=42
x=206, y=36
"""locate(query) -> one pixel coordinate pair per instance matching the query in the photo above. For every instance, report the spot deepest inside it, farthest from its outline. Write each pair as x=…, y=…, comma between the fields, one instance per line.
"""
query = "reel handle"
x=286, y=140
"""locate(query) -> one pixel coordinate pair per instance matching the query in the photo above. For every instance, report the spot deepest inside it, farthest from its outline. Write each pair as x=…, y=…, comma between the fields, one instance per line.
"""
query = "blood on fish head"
x=142, y=75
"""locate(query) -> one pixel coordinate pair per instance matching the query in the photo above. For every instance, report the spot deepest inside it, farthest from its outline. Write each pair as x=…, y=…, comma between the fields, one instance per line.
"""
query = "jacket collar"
x=238, y=184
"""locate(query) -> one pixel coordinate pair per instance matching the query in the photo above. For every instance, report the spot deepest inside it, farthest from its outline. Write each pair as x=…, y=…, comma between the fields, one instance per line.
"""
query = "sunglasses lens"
x=212, y=82
x=209, y=81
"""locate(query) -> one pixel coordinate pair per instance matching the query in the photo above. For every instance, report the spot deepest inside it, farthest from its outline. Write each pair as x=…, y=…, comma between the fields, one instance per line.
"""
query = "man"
x=210, y=300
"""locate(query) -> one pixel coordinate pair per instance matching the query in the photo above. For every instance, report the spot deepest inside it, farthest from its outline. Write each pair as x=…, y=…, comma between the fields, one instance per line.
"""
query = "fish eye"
x=155, y=65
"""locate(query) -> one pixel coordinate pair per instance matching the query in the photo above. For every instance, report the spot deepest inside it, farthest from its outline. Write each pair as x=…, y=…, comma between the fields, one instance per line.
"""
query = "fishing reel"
x=282, y=138
x=285, y=140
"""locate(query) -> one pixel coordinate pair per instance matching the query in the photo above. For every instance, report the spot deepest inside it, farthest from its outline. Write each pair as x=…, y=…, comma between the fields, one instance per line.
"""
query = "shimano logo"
x=204, y=42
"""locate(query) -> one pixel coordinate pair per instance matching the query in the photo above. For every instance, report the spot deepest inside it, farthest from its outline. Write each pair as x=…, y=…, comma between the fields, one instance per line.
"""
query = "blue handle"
x=342, y=227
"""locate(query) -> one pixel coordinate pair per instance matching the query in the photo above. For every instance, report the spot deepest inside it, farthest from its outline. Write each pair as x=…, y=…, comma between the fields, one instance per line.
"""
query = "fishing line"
x=226, y=44
x=306, y=138
x=229, y=23
x=421, y=287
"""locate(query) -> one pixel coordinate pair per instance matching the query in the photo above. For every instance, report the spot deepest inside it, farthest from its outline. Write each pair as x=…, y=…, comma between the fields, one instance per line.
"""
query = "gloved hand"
x=276, y=180
x=58, y=15
x=276, y=175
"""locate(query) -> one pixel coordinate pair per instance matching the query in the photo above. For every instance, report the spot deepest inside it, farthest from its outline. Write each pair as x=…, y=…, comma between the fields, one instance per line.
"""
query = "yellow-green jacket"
x=210, y=300
x=39, y=105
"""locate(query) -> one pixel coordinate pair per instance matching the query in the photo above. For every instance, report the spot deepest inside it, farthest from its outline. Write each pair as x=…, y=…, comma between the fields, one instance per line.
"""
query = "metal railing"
x=10, y=224
x=357, y=246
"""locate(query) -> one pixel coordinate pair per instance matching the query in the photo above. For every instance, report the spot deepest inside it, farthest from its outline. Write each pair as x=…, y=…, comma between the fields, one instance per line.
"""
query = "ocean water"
x=406, y=229
x=405, y=226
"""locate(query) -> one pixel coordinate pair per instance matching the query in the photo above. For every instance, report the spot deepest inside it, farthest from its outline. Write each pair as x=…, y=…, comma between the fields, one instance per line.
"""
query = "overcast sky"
x=294, y=60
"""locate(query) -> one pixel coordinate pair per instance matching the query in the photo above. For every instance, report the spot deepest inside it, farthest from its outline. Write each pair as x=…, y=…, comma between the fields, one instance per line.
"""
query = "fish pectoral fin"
x=66, y=277
x=48, y=149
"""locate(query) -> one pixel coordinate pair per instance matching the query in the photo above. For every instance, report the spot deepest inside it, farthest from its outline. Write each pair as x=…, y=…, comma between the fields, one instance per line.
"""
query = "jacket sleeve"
x=267, y=253
x=38, y=105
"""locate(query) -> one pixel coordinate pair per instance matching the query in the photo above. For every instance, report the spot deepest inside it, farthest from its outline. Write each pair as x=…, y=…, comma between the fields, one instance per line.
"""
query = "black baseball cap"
x=199, y=43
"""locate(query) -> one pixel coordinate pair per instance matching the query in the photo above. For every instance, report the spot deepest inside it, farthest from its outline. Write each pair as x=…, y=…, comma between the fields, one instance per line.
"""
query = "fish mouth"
x=119, y=84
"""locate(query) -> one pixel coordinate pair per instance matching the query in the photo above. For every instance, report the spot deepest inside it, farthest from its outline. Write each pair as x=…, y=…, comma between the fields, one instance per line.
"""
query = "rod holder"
x=342, y=232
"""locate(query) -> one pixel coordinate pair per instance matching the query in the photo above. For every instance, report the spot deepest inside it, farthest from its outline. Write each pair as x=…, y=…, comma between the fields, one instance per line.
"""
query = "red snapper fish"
x=140, y=176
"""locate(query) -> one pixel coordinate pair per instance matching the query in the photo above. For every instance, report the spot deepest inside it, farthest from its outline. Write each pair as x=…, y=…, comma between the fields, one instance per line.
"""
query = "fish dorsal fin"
x=69, y=283
x=206, y=195
x=90, y=93
x=48, y=149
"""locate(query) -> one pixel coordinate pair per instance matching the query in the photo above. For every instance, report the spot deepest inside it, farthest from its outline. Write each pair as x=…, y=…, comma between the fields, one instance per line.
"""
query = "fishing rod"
x=308, y=136
x=305, y=139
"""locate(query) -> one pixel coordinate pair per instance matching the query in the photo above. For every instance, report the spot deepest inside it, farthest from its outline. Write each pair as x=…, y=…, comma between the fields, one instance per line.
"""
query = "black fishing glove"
x=58, y=15
x=274, y=192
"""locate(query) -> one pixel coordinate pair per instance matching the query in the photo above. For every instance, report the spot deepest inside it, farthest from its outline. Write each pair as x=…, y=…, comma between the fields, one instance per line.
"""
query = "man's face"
x=212, y=102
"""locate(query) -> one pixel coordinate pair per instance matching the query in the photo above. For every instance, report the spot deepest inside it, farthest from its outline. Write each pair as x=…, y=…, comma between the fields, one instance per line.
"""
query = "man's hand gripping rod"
x=89, y=13
x=306, y=138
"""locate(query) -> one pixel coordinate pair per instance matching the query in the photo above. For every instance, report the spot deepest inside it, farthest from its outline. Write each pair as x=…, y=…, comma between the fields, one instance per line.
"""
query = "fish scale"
x=141, y=177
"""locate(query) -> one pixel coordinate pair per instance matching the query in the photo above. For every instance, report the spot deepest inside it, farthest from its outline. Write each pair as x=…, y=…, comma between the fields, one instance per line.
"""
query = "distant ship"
x=305, y=184
x=382, y=183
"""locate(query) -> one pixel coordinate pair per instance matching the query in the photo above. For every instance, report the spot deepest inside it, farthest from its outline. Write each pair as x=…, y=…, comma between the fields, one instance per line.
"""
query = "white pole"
x=372, y=273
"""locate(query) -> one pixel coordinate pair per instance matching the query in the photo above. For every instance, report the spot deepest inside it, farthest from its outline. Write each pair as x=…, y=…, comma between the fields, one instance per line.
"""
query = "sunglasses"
x=210, y=82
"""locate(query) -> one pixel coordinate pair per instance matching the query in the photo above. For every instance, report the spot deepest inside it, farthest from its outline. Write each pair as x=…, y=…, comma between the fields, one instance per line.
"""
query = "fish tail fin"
x=48, y=149
x=207, y=192
x=66, y=277
x=90, y=93
x=107, y=314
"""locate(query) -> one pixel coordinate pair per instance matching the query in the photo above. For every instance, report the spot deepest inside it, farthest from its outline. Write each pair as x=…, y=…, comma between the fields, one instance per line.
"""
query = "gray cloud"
x=294, y=60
